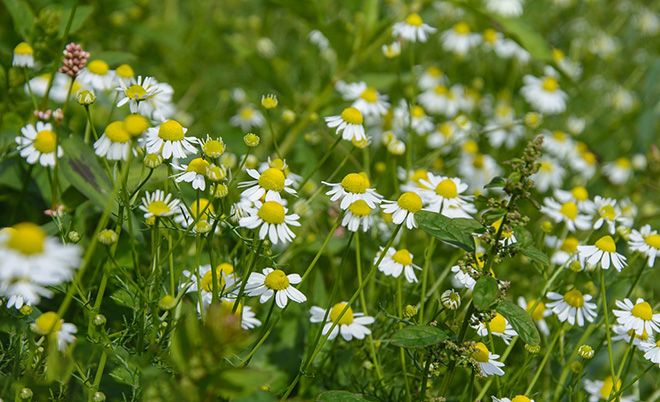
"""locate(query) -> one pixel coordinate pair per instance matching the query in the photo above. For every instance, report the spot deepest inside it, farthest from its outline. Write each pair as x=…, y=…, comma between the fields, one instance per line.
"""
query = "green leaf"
x=22, y=15
x=497, y=182
x=456, y=232
x=237, y=382
x=535, y=255
x=531, y=40
x=81, y=168
x=485, y=292
x=417, y=336
x=340, y=396
x=520, y=321
x=80, y=17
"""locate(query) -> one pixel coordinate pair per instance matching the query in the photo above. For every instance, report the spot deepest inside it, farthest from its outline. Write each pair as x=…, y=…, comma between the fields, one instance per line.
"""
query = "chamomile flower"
x=572, y=306
x=201, y=213
x=194, y=172
x=567, y=212
x=366, y=99
x=565, y=250
x=269, y=183
x=558, y=143
x=272, y=220
x=169, y=140
x=602, y=390
x=651, y=350
x=638, y=317
x=227, y=282
x=445, y=196
x=274, y=282
x=507, y=48
x=619, y=171
x=23, y=56
x=487, y=361
x=212, y=147
x=136, y=92
x=412, y=29
x=578, y=195
x=30, y=261
x=647, y=242
x=358, y=214
x=115, y=143
x=544, y=94
x=404, y=208
x=502, y=128
x=549, y=176
x=248, y=117
x=459, y=39
x=431, y=77
x=248, y=317
x=506, y=8
x=517, y=398
x=602, y=253
x=397, y=261
x=498, y=326
x=478, y=170
x=353, y=187
x=607, y=213
x=124, y=74
x=50, y=324
x=538, y=314
x=464, y=276
x=348, y=124
x=97, y=74
x=626, y=336
x=38, y=143
x=158, y=204
x=350, y=324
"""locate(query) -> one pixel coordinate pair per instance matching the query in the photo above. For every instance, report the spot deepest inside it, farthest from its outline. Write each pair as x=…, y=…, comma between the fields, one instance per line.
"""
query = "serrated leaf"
x=485, y=292
x=457, y=232
x=81, y=168
x=418, y=336
x=520, y=321
x=21, y=15
x=340, y=396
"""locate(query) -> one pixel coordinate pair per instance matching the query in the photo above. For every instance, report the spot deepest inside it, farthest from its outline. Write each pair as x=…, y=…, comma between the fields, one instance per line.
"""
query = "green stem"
x=253, y=263
x=320, y=163
x=402, y=352
x=425, y=276
x=543, y=362
x=607, y=325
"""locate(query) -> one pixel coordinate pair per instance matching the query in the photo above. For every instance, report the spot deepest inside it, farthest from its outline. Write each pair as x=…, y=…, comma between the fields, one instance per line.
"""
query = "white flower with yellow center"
x=517, y=398
x=124, y=74
x=602, y=390
x=194, y=172
x=353, y=187
x=579, y=195
x=157, y=204
x=498, y=326
x=566, y=250
x=603, y=253
x=621, y=334
x=97, y=74
x=607, y=212
x=444, y=195
x=23, y=55
x=572, y=306
x=269, y=183
x=618, y=171
x=487, y=361
x=544, y=94
x=651, y=350
x=59, y=88
x=404, y=208
x=274, y=282
x=538, y=315
x=459, y=39
x=638, y=317
x=50, y=324
x=272, y=220
x=348, y=124
x=248, y=117
x=549, y=176
x=507, y=48
x=38, y=143
x=506, y=8
x=366, y=99
x=30, y=261
x=397, y=261
x=115, y=143
x=349, y=324
x=558, y=143
x=414, y=117
x=358, y=214
x=248, y=317
x=431, y=77
x=136, y=92
x=201, y=213
x=136, y=124
x=502, y=128
x=567, y=212
x=412, y=29
x=464, y=277
x=227, y=282
x=647, y=242
x=169, y=140
x=478, y=170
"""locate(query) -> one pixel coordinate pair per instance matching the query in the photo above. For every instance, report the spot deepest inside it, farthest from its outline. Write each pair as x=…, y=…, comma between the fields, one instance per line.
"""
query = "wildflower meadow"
x=339, y=201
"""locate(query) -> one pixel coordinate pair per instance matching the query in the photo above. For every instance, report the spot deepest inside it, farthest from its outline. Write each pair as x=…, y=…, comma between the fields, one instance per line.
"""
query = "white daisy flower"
x=97, y=75
x=445, y=135
x=464, y=279
x=459, y=39
x=353, y=187
x=272, y=220
x=567, y=212
x=350, y=325
x=503, y=129
x=391, y=50
x=23, y=56
x=607, y=213
x=558, y=143
x=431, y=77
x=201, y=210
x=603, y=253
x=544, y=94
x=271, y=182
x=498, y=326
x=450, y=299
x=565, y=250
x=124, y=74
x=136, y=92
x=248, y=117
x=517, y=398
x=538, y=315
x=169, y=140
x=506, y=8
x=59, y=89
x=227, y=282
x=507, y=48
x=249, y=319
x=645, y=241
x=358, y=214
x=550, y=175
x=31, y=261
x=619, y=171
x=602, y=390
x=274, y=282
x=651, y=351
x=115, y=143
x=348, y=124
x=628, y=212
x=638, y=317
x=372, y=104
x=50, y=324
x=158, y=204
x=444, y=196
x=572, y=306
x=404, y=208
x=38, y=143
x=579, y=195
x=621, y=334
x=412, y=29
x=487, y=361
x=194, y=172
x=478, y=170
x=397, y=261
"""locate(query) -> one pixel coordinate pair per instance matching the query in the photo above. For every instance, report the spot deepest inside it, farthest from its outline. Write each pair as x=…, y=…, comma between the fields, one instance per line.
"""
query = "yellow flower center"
x=171, y=130
x=497, y=324
x=440, y=90
x=434, y=71
x=272, y=212
x=370, y=95
x=135, y=124
x=359, y=208
x=520, y=398
x=418, y=112
x=606, y=243
x=272, y=179
x=559, y=136
x=352, y=116
x=642, y=310
x=546, y=166
x=27, y=238
x=98, y=67
x=570, y=245
x=136, y=92
x=471, y=147
x=45, y=141
x=608, y=385
x=198, y=165
x=356, y=183
x=462, y=28
x=23, y=49
x=481, y=353
x=206, y=282
x=213, y=148
x=589, y=158
x=246, y=113
x=125, y=71
x=643, y=337
x=653, y=241
x=403, y=257
x=116, y=132
x=414, y=19
x=558, y=55
x=622, y=163
x=478, y=161
x=574, y=298
x=550, y=84
x=158, y=208
x=539, y=310
x=503, y=110
x=203, y=205
x=607, y=212
x=228, y=306
x=419, y=175
x=335, y=312
x=277, y=280
x=47, y=323
x=569, y=210
x=447, y=189
x=580, y=193
x=490, y=36
x=410, y=201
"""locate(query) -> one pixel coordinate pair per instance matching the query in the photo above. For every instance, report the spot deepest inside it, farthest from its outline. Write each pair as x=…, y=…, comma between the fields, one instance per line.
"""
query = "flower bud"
x=251, y=140
x=26, y=309
x=214, y=148
x=26, y=393
x=533, y=119
x=167, y=302
x=108, y=237
x=269, y=101
x=98, y=396
x=86, y=97
x=99, y=320
x=546, y=226
x=152, y=161
x=220, y=190
x=288, y=116
x=73, y=236
x=532, y=349
x=203, y=227
x=410, y=311
x=586, y=352
x=450, y=299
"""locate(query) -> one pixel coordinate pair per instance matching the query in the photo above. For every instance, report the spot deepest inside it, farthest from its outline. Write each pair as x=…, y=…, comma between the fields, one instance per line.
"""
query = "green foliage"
x=485, y=292
x=520, y=321
x=418, y=336
x=458, y=232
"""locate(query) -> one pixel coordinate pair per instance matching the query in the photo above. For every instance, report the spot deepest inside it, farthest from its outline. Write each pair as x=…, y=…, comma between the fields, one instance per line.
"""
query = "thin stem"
x=543, y=362
x=402, y=352
x=607, y=326
x=320, y=163
x=425, y=276
x=253, y=262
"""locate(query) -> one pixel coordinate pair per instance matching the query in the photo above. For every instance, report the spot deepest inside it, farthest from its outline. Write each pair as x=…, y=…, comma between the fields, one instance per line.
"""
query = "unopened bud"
x=167, y=302
x=269, y=101
x=410, y=311
x=251, y=140
x=532, y=349
x=586, y=352
x=73, y=236
x=86, y=97
x=152, y=161
x=108, y=237
x=99, y=320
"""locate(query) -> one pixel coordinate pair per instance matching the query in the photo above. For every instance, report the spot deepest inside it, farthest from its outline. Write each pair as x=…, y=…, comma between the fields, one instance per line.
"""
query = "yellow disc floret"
x=653, y=241
x=116, y=132
x=539, y=309
x=403, y=257
x=98, y=67
x=447, y=189
x=410, y=201
x=352, y=115
x=359, y=208
x=23, y=49
x=135, y=124
x=606, y=243
x=171, y=130
x=370, y=95
x=47, y=323
x=335, y=313
x=27, y=238
x=45, y=141
x=125, y=71
x=497, y=324
x=276, y=280
x=574, y=298
x=158, y=208
x=357, y=183
x=414, y=19
x=550, y=84
x=642, y=310
x=481, y=353
x=272, y=179
x=272, y=212
x=569, y=210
